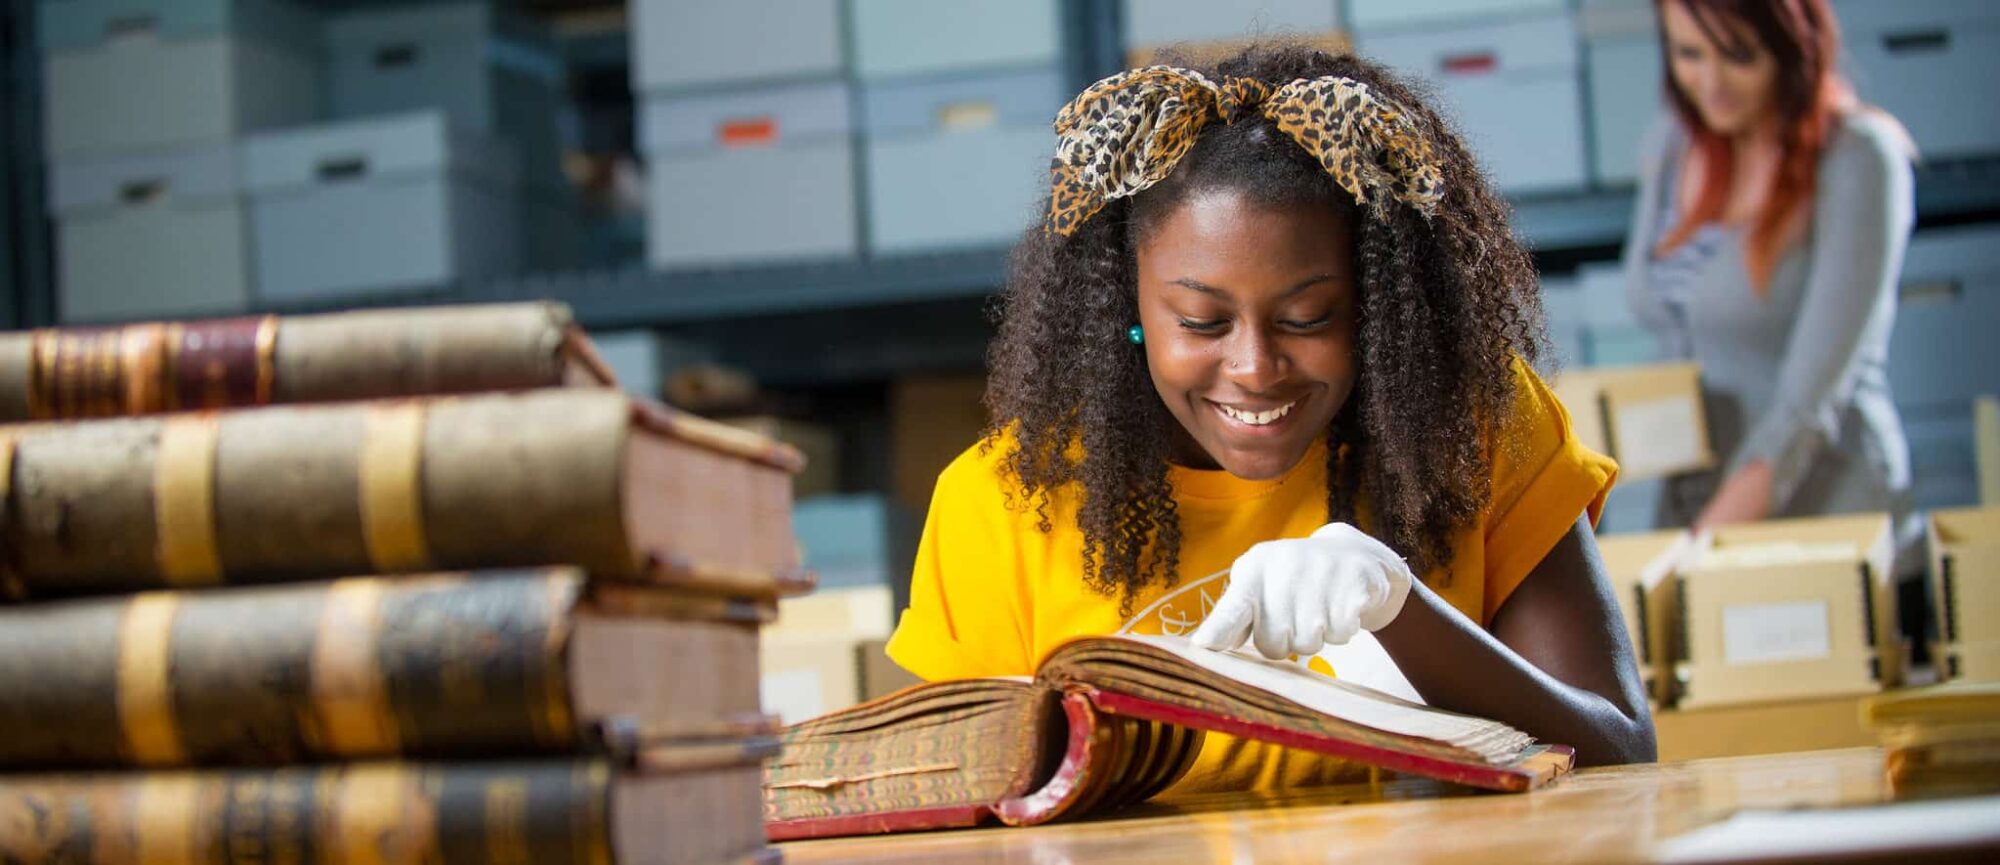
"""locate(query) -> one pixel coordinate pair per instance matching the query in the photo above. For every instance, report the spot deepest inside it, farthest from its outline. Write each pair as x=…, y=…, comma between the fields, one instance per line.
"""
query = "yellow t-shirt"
x=992, y=594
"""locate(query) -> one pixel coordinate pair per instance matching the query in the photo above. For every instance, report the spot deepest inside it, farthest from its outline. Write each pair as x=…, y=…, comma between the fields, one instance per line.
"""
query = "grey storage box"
x=1626, y=99
x=127, y=75
x=765, y=174
x=925, y=37
x=958, y=162
x=1512, y=88
x=1944, y=471
x=150, y=236
x=1374, y=15
x=490, y=73
x=678, y=44
x=380, y=206
x=1933, y=64
x=1626, y=95
x=1152, y=23
x=1943, y=352
x=1612, y=335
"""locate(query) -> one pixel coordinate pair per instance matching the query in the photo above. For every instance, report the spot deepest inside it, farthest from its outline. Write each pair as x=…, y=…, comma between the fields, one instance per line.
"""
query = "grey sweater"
x=1799, y=377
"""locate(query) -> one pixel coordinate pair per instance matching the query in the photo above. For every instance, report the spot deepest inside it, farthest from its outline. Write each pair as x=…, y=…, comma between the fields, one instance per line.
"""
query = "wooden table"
x=1614, y=814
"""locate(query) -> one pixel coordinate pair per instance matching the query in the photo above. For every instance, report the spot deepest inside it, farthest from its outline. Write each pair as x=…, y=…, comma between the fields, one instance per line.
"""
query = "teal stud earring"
x=1136, y=334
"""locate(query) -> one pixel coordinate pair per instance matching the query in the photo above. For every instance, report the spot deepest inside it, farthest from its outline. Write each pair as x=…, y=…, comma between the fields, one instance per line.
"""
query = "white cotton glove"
x=1300, y=594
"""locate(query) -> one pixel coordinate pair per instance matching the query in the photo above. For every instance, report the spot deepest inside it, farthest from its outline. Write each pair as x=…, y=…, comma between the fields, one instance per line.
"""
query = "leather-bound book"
x=1106, y=722
x=460, y=665
x=77, y=372
x=679, y=806
x=580, y=476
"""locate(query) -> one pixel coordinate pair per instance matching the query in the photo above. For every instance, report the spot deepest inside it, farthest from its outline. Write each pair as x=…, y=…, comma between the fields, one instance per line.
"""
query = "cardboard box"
x=803, y=676
x=1646, y=597
x=1512, y=85
x=749, y=175
x=695, y=44
x=1789, y=609
x=1211, y=51
x=151, y=235
x=1965, y=581
x=1897, y=53
x=909, y=38
x=1175, y=22
x=922, y=132
x=1649, y=418
x=820, y=445
x=858, y=613
x=881, y=676
x=395, y=204
x=127, y=77
x=932, y=419
x=1763, y=728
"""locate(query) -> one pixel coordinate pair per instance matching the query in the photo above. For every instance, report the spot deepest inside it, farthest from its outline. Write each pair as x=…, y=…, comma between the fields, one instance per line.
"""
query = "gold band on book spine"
x=145, y=694
x=545, y=812
x=11, y=587
x=555, y=725
x=184, y=501
x=349, y=696
x=379, y=817
x=169, y=811
x=143, y=360
x=596, y=778
x=267, y=358
x=391, y=477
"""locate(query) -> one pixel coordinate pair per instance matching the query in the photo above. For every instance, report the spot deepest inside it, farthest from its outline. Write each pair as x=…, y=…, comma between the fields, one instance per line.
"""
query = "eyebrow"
x=1205, y=288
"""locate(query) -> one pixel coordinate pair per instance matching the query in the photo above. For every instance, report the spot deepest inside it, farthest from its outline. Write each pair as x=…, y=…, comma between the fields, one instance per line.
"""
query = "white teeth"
x=1258, y=418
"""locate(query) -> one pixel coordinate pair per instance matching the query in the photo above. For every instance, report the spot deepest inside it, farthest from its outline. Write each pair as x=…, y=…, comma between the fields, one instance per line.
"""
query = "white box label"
x=792, y=695
x=1768, y=633
x=1657, y=436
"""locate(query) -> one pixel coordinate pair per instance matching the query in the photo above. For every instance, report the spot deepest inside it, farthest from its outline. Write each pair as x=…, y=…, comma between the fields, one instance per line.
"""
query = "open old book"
x=1107, y=721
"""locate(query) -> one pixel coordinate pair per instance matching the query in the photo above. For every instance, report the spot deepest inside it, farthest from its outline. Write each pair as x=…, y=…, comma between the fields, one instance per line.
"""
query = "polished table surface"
x=1613, y=814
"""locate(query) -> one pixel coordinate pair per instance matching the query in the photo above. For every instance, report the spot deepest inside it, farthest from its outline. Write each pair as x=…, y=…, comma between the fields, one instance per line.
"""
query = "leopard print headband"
x=1126, y=132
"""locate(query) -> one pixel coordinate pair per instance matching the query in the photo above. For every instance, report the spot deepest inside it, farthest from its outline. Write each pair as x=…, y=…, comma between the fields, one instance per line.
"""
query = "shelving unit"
x=1564, y=229
x=1570, y=227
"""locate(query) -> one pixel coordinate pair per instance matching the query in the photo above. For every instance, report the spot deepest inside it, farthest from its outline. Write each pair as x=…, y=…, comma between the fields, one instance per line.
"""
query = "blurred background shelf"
x=1562, y=229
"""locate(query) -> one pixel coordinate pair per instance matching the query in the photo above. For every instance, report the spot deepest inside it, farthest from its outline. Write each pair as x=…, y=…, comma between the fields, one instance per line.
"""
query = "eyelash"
x=1213, y=325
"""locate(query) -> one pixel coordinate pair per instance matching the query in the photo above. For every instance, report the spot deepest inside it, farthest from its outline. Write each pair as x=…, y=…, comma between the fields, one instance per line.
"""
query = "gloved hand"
x=1299, y=594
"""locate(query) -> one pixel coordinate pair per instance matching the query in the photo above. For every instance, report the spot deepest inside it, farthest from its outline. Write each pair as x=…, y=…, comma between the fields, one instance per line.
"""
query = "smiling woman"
x=1251, y=308
x=1330, y=394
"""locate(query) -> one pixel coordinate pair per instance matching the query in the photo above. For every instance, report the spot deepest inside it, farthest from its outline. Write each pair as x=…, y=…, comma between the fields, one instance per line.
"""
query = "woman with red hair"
x=1769, y=231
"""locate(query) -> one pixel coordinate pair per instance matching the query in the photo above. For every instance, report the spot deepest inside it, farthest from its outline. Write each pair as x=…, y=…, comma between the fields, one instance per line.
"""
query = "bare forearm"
x=1745, y=496
x=1458, y=666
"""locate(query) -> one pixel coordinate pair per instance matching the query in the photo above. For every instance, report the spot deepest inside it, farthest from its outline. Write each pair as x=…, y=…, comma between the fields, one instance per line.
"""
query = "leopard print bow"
x=1124, y=133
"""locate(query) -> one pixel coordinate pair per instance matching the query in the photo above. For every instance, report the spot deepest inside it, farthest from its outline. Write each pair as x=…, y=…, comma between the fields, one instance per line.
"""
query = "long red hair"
x=1804, y=41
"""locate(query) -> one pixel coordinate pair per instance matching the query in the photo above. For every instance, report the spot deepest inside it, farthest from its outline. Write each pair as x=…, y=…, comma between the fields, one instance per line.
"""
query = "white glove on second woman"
x=1300, y=594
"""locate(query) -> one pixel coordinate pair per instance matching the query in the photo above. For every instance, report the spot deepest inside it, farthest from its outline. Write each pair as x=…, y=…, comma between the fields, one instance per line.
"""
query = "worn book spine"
x=66, y=373
x=529, y=812
x=360, y=667
x=385, y=487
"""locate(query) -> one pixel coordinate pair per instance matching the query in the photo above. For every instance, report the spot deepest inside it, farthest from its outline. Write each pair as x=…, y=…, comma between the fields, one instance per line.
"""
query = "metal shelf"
x=634, y=296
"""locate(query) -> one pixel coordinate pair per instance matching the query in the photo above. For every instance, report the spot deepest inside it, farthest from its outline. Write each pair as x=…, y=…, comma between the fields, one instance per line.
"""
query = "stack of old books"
x=407, y=586
x=1939, y=741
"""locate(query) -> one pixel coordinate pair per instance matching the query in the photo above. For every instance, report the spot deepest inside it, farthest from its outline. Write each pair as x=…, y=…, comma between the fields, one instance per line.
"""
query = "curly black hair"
x=1445, y=305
